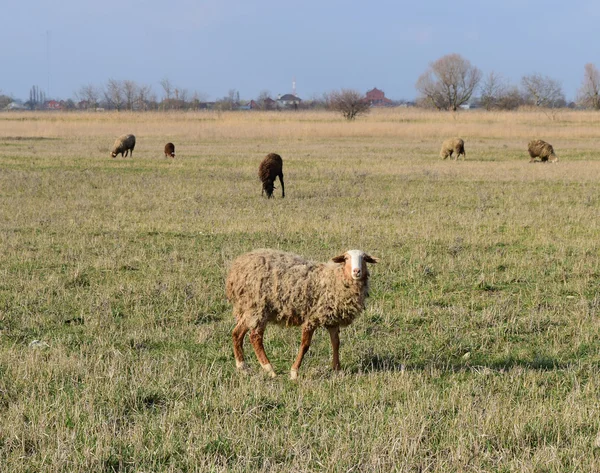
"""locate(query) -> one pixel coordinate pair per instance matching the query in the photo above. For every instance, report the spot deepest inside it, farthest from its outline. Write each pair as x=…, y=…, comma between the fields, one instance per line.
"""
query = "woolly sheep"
x=453, y=145
x=170, y=150
x=541, y=149
x=123, y=145
x=268, y=286
x=271, y=167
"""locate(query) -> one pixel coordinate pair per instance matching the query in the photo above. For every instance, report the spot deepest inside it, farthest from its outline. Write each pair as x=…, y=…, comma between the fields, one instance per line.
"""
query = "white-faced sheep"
x=541, y=149
x=170, y=150
x=269, y=286
x=270, y=168
x=123, y=145
x=453, y=145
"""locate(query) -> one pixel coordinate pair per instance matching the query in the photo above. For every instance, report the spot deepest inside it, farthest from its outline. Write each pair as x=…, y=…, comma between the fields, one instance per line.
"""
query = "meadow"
x=479, y=350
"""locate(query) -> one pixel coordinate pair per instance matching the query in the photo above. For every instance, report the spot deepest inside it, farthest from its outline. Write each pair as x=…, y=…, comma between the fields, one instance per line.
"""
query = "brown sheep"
x=170, y=150
x=541, y=149
x=270, y=168
x=269, y=286
x=123, y=145
x=453, y=145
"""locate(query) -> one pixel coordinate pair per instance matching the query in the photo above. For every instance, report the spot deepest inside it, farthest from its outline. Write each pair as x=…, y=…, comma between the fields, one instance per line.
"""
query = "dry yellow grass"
x=409, y=123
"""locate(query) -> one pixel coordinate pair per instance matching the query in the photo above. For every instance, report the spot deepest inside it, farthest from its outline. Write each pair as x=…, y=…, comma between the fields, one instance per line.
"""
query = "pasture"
x=479, y=350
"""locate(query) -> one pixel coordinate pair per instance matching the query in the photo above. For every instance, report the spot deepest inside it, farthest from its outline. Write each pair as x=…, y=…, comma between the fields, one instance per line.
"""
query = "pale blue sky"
x=253, y=45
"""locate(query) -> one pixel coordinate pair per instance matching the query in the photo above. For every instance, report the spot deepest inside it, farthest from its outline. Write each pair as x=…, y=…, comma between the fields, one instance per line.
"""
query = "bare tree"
x=231, y=97
x=130, y=92
x=264, y=99
x=350, y=103
x=113, y=94
x=184, y=96
x=197, y=99
x=143, y=97
x=588, y=95
x=449, y=82
x=492, y=88
x=180, y=98
x=227, y=102
x=90, y=94
x=498, y=93
x=168, y=88
x=5, y=100
x=542, y=91
x=511, y=98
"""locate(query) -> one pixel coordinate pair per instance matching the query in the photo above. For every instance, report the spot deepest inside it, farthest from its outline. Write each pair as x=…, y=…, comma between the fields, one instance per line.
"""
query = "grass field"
x=479, y=350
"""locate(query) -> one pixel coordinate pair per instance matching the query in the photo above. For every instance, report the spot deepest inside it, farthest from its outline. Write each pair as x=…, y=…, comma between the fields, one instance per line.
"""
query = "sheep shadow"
x=373, y=362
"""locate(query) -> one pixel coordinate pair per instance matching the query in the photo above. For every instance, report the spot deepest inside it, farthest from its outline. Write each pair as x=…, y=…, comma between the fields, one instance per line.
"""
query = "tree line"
x=449, y=83
x=129, y=95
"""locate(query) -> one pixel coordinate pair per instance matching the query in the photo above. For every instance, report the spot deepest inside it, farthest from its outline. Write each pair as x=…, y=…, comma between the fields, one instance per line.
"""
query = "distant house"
x=377, y=98
x=53, y=105
x=16, y=105
x=288, y=101
x=267, y=104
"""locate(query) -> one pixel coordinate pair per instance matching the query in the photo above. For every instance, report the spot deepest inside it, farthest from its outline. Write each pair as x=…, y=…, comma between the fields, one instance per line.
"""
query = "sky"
x=213, y=46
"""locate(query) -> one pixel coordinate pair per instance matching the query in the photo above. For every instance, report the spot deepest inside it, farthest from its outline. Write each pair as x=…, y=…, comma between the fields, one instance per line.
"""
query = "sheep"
x=267, y=286
x=453, y=145
x=170, y=150
x=123, y=144
x=271, y=167
x=541, y=149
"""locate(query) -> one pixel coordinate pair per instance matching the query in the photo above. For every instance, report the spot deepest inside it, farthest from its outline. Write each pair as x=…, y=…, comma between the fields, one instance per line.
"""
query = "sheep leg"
x=334, y=334
x=307, y=334
x=256, y=337
x=282, y=186
x=239, y=332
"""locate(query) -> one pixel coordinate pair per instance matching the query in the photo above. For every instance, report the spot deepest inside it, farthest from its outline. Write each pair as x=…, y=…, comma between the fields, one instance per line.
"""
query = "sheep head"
x=268, y=187
x=355, y=264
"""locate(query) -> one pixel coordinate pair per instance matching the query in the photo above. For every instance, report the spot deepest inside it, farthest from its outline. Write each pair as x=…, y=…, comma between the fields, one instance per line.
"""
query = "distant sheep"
x=270, y=168
x=170, y=150
x=541, y=149
x=269, y=286
x=123, y=145
x=453, y=145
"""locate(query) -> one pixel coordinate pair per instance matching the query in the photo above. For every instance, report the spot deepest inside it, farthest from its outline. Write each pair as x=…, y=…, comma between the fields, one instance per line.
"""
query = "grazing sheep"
x=267, y=286
x=124, y=144
x=541, y=149
x=453, y=145
x=271, y=167
x=170, y=150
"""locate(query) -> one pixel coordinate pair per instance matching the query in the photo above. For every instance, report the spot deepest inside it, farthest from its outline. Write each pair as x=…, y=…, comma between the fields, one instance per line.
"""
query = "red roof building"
x=53, y=105
x=377, y=98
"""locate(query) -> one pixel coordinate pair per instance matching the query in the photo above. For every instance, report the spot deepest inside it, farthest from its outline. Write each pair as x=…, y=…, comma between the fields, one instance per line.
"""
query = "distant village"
x=468, y=88
x=178, y=101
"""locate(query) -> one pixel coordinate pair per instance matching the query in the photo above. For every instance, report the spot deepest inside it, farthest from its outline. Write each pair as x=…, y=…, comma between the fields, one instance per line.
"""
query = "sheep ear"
x=339, y=259
x=370, y=259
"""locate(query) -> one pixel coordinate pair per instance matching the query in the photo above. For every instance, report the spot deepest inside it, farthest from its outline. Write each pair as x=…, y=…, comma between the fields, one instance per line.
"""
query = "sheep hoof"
x=269, y=369
x=242, y=367
x=293, y=374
